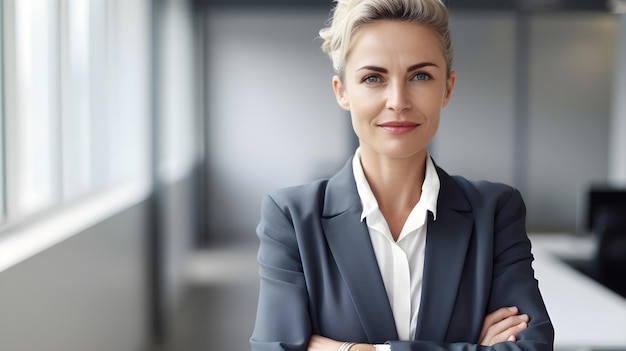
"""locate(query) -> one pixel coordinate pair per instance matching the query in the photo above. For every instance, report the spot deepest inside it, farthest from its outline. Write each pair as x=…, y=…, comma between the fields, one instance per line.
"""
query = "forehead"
x=388, y=41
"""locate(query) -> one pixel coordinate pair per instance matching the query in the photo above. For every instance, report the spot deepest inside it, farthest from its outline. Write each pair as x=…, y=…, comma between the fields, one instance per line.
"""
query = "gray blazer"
x=319, y=274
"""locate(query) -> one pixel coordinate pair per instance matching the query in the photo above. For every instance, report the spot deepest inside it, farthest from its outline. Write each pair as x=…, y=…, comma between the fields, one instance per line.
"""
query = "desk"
x=585, y=314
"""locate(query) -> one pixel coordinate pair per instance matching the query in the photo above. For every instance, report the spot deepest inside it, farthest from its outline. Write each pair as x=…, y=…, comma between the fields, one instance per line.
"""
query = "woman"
x=392, y=253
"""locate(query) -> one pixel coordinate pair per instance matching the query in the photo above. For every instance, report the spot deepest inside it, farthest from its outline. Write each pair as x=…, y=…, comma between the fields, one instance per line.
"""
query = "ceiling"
x=454, y=5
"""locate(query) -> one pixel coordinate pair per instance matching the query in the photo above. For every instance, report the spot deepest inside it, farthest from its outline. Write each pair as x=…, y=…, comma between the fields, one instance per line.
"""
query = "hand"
x=320, y=343
x=502, y=325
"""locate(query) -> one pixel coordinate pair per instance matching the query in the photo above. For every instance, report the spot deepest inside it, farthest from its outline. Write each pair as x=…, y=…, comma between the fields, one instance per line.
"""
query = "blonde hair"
x=349, y=16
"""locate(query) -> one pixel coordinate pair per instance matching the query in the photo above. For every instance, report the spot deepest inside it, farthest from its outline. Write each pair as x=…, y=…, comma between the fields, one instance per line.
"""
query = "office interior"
x=139, y=137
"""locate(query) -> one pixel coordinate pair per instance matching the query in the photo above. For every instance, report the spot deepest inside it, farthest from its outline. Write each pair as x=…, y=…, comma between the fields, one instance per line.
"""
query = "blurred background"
x=138, y=138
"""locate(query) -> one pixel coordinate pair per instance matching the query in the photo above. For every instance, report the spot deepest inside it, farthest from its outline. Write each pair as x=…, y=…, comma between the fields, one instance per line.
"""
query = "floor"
x=219, y=306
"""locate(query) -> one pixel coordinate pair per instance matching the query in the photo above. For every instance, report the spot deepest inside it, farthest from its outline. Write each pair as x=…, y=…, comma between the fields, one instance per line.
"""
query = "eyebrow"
x=410, y=69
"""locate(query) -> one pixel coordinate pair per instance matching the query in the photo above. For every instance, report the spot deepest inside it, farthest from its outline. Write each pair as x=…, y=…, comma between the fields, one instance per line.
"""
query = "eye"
x=421, y=76
x=371, y=79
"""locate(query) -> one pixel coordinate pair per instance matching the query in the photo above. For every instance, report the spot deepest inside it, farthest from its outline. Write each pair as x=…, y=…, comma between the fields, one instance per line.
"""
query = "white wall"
x=272, y=117
x=618, y=120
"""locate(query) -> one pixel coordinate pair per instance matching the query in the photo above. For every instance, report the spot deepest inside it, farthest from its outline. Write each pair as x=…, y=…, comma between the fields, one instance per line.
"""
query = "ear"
x=449, y=88
x=340, y=93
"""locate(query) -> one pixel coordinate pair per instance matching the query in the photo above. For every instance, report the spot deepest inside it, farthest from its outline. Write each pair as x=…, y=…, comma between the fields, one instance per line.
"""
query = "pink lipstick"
x=398, y=127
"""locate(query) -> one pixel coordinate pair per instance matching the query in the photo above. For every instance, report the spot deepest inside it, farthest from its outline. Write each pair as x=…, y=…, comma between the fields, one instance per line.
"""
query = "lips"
x=398, y=127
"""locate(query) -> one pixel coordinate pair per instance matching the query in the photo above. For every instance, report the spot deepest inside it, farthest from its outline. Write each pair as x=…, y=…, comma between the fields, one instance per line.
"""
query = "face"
x=395, y=85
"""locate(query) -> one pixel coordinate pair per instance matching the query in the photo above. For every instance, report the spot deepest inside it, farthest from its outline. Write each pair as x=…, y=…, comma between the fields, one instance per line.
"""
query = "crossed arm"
x=284, y=322
x=499, y=326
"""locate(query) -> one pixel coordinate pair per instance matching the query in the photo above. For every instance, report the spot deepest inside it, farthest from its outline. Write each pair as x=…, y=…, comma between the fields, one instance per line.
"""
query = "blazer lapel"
x=350, y=244
x=447, y=241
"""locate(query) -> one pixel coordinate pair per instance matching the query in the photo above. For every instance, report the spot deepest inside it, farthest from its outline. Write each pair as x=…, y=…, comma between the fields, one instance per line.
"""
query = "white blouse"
x=401, y=262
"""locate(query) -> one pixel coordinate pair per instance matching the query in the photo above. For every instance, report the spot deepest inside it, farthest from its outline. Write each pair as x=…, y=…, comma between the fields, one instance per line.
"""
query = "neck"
x=396, y=184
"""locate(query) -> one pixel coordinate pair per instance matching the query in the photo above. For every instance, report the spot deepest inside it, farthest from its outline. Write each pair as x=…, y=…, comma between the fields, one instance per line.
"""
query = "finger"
x=516, y=329
x=500, y=314
x=500, y=331
x=495, y=317
x=505, y=324
x=510, y=333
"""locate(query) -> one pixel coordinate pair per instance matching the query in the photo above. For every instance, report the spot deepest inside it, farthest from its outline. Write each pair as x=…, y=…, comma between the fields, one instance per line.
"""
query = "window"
x=1, y=124
x=76, y=95
x=32, y=128
x=76, y=117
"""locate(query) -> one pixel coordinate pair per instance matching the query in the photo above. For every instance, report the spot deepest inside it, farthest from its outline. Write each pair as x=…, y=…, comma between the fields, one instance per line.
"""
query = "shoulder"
x=484, y=197
x=332, y=195
x=285, y=210
x=298, y=199
x=494, y=202
x=484, y=190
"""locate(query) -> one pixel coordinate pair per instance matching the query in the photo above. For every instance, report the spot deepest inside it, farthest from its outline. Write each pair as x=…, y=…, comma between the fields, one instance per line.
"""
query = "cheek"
x=446, y=97
x=364, y=104
x=437, y=100
x=361, y=117
x=362, y=114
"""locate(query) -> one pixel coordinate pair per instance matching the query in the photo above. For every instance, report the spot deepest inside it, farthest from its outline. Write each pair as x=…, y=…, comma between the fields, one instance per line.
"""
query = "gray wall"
x=273, y=121
x=178, y=147
x=92, y=292
x=87, y=293
x=272, y=118
x=476, y=133
x=179, y=225
x=618, y=117
x=572, y=63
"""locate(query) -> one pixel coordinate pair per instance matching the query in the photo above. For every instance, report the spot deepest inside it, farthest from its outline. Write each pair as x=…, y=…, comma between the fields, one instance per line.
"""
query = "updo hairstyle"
x=349, y=16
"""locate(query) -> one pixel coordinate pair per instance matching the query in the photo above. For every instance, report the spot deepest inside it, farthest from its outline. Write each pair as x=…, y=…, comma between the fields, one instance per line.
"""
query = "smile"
x=399, y=127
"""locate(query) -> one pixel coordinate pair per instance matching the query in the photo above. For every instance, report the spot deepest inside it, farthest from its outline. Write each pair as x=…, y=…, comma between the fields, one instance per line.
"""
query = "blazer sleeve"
x=282, y=321
x=513, y=284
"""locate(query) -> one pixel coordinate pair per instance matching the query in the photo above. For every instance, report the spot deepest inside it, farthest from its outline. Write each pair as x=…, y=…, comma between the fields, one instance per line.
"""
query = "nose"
x=397, y=97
